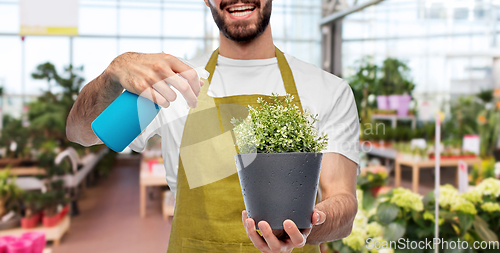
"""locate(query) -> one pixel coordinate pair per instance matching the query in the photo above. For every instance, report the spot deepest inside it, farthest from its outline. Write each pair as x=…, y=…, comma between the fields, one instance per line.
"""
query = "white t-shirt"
x=320, y=93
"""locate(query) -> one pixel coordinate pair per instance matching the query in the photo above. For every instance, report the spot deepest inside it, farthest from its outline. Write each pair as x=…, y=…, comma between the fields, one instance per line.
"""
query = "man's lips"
x=240, y=11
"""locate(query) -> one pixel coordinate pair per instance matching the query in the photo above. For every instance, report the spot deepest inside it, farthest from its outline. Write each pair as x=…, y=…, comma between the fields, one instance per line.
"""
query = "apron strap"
x=285, y=70
x=287, y=76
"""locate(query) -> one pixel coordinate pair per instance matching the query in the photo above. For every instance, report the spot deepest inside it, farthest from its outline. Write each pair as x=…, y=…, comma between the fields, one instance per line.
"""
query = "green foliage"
x=32, y=203
x=278, y=127
x=463, y=117
x=486, y=96
x=8, y=187
x=372, y=177
x=13, y=131
x=395, y=78
x=488, y=131
x=364, y=82
x=473, y=217
x=47, y=115
x=8, y=190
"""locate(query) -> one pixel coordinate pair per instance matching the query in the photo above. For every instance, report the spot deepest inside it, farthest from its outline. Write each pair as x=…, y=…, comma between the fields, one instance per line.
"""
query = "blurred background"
x=406, y=61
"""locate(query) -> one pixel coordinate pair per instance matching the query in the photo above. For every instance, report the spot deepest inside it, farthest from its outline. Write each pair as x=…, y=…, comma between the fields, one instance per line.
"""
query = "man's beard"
x=239, y=31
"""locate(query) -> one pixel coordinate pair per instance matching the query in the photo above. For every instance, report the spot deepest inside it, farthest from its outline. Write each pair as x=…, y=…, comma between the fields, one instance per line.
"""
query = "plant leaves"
x=395, y=231
x=483, y=231
x=465, y=222
x=368, y=200
x=387, y=212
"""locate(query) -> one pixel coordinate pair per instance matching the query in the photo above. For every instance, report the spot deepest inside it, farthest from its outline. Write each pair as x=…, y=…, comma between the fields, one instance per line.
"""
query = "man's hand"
x=149, y=75
x=269, y=243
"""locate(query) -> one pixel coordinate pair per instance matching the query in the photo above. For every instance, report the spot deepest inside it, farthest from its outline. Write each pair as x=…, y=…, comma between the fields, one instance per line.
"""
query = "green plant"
x=8, y=190
x=372, y=177
x=277, y=127
x=486, y=198
x=47, y=114
x=395, y=78
x=489, y=129
x=363, y=83
x=486, y=96
x=14, y=132
x=32, y=203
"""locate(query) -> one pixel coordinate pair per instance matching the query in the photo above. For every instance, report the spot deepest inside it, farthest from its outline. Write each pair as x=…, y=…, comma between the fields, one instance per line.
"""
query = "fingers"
x=189, y=84
x=296, y=237
x=164, y=89
x=268, y=242
x=252, y=234
x=318, y=217
x=156, y=97
x=272, y=242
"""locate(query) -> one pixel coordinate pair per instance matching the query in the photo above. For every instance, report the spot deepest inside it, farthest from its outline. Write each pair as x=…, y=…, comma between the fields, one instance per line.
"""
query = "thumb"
x=319, y=217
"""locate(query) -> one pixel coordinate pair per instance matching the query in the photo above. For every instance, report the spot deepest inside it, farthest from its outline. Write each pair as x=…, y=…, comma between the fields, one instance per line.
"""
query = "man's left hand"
x=269, y=243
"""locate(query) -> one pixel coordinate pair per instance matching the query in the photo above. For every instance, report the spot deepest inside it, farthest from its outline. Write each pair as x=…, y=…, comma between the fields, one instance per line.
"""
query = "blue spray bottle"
x=127, y=116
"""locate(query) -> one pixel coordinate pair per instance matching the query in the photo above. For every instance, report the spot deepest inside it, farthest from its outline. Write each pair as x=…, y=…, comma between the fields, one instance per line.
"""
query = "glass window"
x=95, y=20
x=185, y=23
x=94, y=54
x=40, y=50
x=140, y=22
x=9, y=18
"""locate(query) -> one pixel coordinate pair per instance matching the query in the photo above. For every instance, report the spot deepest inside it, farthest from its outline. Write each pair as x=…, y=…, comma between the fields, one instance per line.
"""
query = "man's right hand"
x=153, y=76
x=148, y=75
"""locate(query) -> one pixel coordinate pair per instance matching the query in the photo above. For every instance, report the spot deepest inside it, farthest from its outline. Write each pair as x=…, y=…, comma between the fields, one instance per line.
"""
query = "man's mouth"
x=241, y=10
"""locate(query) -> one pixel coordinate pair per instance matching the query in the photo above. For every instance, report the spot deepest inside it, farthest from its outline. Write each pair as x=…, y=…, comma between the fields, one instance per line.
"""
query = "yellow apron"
x=209, y=200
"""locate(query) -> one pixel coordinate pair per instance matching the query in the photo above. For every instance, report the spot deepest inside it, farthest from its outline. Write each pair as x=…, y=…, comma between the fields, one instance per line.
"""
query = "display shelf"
x=395, y=118
x=53, y=234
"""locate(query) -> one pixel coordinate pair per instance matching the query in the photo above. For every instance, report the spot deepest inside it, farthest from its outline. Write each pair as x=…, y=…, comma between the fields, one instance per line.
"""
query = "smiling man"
x=247, y=65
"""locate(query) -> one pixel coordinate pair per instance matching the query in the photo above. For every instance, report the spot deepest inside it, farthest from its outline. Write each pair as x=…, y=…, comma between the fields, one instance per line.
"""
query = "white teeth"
x=239, y=14
x=241, y=8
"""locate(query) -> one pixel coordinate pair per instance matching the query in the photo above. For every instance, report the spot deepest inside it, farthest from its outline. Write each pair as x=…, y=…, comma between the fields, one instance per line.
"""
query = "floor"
x=109, y=217
x=109, y=213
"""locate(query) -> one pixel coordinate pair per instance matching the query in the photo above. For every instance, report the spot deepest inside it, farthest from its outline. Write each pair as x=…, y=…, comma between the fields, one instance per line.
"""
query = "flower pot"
x=403, y=105
x=63, y=212
x=31, y=222
x=51, y=221
x=19, y=246
x=382, y=102
x=393, y=101
x=37, y=239
x=279, y=186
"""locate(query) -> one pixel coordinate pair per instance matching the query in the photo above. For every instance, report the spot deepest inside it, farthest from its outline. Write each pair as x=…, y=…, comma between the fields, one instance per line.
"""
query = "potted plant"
x=279, y=162
x=50, y=214
x=396, y=82
x=8, y=192
x=31, y=201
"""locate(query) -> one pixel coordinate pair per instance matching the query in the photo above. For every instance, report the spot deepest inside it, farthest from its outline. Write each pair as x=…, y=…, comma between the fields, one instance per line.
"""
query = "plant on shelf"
x=32, y=204
x=364, y=83
x=279, y=152
x=372, y=179
x=8, y=190
x=396, y=77
x=489, y=129
x=396, y=81
x=14, y=138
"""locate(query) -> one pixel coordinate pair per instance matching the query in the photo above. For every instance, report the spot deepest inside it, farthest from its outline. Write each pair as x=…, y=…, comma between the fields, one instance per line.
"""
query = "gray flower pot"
x=279, y=186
